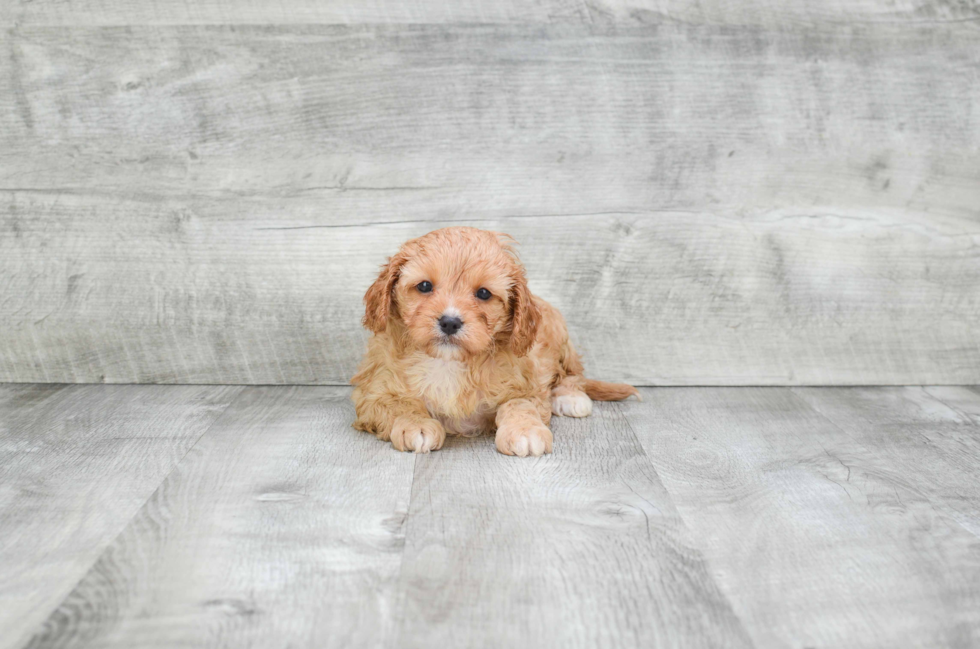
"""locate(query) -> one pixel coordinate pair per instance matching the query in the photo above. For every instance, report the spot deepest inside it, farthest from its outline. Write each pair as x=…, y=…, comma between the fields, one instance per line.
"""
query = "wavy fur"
x=508, y=369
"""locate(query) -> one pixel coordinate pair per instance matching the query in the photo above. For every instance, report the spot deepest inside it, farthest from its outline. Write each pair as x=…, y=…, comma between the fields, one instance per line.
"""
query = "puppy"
x=460, y=346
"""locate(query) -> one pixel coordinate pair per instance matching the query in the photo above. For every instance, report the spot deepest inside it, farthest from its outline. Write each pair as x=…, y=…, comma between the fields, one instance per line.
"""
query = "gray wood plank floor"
x=76, y=464
x=160, y=516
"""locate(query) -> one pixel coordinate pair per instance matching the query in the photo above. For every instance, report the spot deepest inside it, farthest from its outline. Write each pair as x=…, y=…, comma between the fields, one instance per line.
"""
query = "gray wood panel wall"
x=713, y=193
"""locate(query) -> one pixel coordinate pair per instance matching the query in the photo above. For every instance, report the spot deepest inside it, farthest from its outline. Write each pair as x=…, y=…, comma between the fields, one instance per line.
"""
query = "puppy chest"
x=439, y=382
x=450, y=397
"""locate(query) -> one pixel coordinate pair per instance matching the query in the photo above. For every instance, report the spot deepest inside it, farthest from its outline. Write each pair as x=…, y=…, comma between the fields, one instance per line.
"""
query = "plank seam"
x=680, y=517
x=125, y=525
x=973, y=389
x=937, y=505
x=398, y=617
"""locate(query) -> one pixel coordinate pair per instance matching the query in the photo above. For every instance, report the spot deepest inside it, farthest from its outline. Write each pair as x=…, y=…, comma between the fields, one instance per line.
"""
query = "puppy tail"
x=602, y=391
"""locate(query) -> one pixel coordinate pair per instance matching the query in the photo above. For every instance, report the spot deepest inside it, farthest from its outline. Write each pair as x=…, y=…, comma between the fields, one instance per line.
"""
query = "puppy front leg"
x=520, y=427
x=405, y=422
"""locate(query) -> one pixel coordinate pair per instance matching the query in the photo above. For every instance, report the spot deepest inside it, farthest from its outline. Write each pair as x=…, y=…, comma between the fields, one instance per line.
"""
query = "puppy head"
x=458, y=292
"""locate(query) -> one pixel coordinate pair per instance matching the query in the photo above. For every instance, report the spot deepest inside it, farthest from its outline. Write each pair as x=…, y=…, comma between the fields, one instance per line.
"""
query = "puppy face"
x=458, y=292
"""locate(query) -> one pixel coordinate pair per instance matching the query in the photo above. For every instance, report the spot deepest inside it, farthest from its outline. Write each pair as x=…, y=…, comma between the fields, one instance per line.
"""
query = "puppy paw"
x=572, y=404
x=523, y=439
x=417, y=434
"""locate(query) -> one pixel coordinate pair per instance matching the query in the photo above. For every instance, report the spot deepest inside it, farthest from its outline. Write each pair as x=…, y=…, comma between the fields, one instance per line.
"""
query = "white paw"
x=573, y=404
x=523, y=439
x=417, y=434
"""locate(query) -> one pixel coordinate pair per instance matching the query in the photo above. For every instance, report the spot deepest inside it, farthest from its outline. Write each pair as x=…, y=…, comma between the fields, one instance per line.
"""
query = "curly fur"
x=508, y=369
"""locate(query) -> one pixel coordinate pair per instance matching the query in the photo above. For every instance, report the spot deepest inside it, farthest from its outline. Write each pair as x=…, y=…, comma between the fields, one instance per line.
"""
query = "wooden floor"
x=210, y=516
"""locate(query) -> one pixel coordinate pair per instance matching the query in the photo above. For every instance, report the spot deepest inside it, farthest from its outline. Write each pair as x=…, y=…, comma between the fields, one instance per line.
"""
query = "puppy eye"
x=424, y=287
x=483, y=294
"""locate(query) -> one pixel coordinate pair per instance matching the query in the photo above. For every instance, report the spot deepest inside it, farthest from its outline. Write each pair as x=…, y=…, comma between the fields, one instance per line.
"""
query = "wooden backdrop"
x=714, y=192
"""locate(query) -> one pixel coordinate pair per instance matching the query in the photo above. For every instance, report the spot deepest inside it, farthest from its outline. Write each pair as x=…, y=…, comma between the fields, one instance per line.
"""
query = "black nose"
x=450, y=324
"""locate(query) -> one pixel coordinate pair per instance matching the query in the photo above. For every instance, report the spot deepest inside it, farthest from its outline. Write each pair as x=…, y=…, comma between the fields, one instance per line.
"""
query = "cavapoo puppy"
x=460, y=346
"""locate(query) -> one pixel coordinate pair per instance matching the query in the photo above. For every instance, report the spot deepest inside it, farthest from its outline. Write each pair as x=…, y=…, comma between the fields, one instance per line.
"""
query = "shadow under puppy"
x=460, y=346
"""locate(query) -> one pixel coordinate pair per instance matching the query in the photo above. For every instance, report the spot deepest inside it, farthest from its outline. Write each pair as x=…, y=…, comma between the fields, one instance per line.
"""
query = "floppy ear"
x=379, y=301
x=524, y=316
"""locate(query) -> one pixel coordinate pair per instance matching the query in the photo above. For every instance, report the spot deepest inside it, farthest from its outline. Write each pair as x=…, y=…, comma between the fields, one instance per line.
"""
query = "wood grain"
x=707, y=204
x=581, y=548
x=746, y=12
x=699, y=517
x=415, y=121
x=293, y=12
x=667, y=298
x=769, y=14
x=282, y=526
x=817, y=539
x=76, y=463
x=935, y=445
x=965, y=400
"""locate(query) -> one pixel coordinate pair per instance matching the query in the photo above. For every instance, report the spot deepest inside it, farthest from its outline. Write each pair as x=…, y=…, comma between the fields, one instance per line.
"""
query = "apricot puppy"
x=460, y=346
